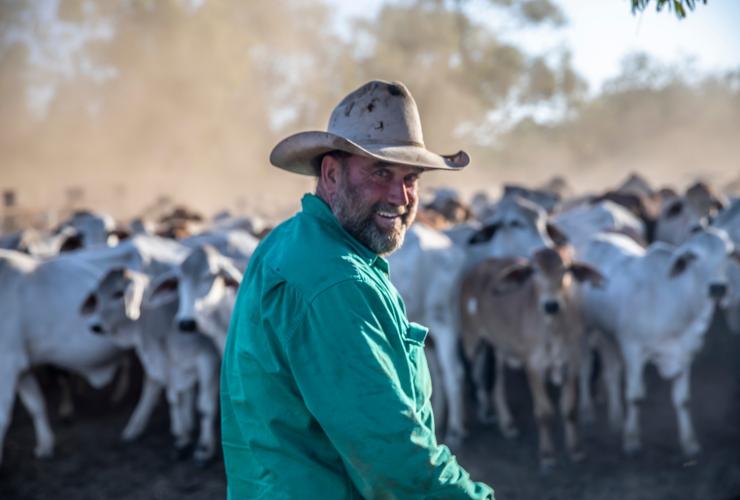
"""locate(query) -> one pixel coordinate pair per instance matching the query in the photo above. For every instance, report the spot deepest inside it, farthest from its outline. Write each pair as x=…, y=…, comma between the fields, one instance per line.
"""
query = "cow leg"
x=123, y=381
x=188, y=410
x=634, y=364
x=66, y=403
x=680, y=394
x=33, y=400
x=732, y=316
x=505, y=421
x=568, y=396
x=452, y=373
x=483, y=393
x=8, y=381
x=585, y=366
x=140, y=417
x=177, y=402
x=439, y=402
x=543, y=413
x=612, y=369
x=175, y=415
x=207, y=407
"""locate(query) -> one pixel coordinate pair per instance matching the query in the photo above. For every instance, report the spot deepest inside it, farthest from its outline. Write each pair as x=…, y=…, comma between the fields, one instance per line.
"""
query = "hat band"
x=391, y=144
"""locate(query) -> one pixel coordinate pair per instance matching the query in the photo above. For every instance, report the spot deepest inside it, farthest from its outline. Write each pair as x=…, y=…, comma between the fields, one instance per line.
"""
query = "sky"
x=600, y=33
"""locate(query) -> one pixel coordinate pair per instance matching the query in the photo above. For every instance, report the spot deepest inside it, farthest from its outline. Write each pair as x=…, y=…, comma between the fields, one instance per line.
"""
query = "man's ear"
x=329, y=173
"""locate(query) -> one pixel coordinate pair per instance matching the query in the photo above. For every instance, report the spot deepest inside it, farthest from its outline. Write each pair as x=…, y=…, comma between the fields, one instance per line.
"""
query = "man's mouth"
x=388, y=215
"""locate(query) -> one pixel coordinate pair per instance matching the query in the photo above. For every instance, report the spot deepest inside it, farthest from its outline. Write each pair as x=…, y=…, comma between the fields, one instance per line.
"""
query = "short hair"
x=337, y=154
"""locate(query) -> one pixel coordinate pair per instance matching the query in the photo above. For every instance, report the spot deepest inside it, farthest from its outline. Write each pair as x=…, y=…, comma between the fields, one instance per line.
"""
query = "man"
x=324, y=385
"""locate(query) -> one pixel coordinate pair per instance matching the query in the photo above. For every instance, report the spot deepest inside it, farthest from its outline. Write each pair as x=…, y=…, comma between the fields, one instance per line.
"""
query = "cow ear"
x=163, y=289
x=557, y=236
x=119, y=234
x=231, y=276
x=735, y=255
x=681, y=263
x=718, y=204
x=513, y=277
x=484, y=234
x=583, y=272
x=674, y=209
x=72, y=243
x=134, y=295
x=88, y=307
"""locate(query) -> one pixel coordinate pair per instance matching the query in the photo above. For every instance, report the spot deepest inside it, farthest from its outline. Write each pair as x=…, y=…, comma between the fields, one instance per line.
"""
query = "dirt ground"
x=91, y=463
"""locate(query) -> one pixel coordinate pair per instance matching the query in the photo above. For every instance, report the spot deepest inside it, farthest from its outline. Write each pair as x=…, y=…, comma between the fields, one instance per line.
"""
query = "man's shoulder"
x=309, y=255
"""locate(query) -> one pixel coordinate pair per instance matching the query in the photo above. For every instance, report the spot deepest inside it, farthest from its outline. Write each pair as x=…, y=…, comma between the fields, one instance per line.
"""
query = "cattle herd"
x=579, y=292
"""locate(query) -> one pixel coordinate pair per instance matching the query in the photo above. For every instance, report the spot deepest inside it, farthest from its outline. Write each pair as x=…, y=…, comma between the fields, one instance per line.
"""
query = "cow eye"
x=516, y=224
x=118, y=294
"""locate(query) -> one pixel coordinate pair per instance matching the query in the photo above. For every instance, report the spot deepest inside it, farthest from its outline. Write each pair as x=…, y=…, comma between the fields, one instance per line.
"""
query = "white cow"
x=657, y=306
x=236, y=244
x=427, y=271
x=581, y=222
x=40, y=324
x=680, y=216
x=170, y=359
x=206, y=283
x=41, y=243
x=92, y=228
x=729, y=221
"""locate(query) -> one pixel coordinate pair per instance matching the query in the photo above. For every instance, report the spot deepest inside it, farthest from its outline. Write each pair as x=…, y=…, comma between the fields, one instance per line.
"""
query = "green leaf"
x=678, y=7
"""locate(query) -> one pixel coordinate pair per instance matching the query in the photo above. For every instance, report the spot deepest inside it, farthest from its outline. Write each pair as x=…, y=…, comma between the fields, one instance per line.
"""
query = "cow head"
x=551, y=275
x=517, y=228
x=686, y=214
x=704, y=259
x=207, y=285
x=115, y=303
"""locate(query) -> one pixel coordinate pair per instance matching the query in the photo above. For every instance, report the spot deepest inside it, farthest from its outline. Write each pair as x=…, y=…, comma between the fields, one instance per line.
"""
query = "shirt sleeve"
x=349, y=371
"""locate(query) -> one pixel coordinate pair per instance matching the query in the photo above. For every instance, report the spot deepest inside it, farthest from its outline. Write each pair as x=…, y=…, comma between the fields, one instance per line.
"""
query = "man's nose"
x=400, y=194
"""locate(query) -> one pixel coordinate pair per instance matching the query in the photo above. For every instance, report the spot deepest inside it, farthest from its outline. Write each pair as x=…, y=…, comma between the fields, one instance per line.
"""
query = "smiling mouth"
x=388, y=215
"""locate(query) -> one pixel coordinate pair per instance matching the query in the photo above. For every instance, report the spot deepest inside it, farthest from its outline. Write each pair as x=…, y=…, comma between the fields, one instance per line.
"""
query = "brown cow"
x=528, y=311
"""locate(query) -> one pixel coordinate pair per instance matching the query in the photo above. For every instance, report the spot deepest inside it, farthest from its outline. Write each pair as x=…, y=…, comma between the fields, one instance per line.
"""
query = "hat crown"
x=378, y=113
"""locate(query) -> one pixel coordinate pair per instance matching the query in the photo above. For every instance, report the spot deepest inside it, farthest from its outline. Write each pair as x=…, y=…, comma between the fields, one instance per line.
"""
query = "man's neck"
x=321, y=193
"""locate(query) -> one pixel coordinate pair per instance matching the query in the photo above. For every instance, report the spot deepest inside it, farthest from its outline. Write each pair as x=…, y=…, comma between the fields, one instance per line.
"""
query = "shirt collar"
x=316, y=207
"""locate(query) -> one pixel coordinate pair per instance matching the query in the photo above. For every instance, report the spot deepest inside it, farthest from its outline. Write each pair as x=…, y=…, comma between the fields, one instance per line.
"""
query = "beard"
x=358, y=219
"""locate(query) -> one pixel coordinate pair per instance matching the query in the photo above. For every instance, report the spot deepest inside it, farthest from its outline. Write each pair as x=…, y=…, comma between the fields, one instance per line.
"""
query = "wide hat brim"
x=301, y=153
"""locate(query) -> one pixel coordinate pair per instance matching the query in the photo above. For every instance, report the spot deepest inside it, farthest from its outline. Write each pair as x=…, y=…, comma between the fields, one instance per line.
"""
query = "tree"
x=678, y=6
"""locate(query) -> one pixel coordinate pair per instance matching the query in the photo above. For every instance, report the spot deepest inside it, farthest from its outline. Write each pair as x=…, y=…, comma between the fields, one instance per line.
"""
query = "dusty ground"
x=90, y=463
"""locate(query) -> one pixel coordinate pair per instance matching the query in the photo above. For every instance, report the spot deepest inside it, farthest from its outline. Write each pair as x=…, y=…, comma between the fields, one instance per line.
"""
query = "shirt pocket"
x=414, y=336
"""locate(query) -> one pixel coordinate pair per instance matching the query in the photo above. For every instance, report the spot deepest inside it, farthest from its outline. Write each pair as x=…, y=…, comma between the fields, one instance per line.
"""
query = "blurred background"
x=131, y=107
x=117, y=104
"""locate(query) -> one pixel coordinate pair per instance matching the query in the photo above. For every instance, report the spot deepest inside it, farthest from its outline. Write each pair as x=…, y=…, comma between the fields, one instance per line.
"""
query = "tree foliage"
x=183, y=96
x=677, y=6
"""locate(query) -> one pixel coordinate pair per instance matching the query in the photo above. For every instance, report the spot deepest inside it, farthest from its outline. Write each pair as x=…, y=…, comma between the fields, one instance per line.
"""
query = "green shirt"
x=325, y=390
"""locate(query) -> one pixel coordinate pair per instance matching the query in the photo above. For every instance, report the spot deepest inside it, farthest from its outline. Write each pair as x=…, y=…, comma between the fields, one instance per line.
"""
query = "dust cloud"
x=179, y=102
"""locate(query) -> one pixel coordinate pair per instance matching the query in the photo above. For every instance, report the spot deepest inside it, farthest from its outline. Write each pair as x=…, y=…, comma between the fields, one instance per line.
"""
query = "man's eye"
x=382, y=173
x=411, y=178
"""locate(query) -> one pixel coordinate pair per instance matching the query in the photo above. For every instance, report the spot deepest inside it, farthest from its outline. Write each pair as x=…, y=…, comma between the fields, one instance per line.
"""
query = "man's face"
x=376, y=202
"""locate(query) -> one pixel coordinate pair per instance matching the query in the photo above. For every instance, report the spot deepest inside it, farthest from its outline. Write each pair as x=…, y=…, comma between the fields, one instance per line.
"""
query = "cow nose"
x=717, y=290
x=97, y=329
x=187, y=325
x=551, y=307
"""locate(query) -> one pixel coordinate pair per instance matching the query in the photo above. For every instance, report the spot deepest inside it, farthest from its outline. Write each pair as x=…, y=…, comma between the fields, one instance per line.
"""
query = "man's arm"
x=348, y=370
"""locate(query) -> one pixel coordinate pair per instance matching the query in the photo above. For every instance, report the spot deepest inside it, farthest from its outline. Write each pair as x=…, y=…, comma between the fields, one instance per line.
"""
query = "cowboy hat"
x=379, y=120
